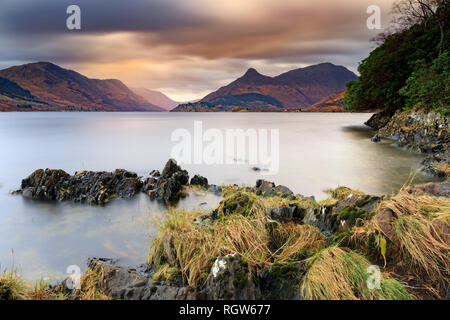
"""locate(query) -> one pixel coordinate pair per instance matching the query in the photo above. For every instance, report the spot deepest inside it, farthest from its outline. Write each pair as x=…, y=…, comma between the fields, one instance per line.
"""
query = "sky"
x=187, y=48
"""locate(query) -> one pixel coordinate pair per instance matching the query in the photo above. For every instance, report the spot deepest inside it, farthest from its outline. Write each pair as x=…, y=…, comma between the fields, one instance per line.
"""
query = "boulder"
x=230, y=279
x=285, y=214
x=268, y=189
x=167, y=186
x=198, y=180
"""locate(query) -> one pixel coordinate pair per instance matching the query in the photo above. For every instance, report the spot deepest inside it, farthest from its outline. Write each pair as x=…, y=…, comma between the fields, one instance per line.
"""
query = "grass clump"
x=90, y=287
x=13, y=287
x=342, y=193
x=340, y=274
x=183, y=245
x=418, y=237
x=294, y=242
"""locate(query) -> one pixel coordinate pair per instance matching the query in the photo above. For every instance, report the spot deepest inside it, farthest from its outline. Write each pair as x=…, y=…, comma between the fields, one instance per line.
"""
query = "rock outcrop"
x=86, y=186
x=167, y=187
x=418, y=131
x=99, y=188
x=425, y=132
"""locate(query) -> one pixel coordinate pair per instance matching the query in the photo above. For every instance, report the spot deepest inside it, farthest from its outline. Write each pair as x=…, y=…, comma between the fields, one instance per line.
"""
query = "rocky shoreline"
x=418, y=131
x=280, y=238
x=267, y=243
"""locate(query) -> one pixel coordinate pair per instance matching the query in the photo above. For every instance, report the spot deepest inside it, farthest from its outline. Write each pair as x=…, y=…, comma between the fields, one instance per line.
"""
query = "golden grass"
x=89, y=287
x=13, y=287
x=339, y=274
x=181, y=244
x=421, y=239
x=342, y=193
x=166, y=272
x=444, y=167
x=295, y=241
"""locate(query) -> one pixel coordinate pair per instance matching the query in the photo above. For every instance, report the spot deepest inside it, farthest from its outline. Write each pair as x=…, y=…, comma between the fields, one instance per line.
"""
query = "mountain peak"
x=252, y=72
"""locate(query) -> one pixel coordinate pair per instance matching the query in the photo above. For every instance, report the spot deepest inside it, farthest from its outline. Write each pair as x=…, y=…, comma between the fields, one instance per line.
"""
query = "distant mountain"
x=296, y=89
x=334, y=103
x=250, y=101
x=156, y=98
x=62, y=89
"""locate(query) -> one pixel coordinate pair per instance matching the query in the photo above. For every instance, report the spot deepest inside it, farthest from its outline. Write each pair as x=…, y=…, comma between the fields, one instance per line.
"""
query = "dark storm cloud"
x=28, y=17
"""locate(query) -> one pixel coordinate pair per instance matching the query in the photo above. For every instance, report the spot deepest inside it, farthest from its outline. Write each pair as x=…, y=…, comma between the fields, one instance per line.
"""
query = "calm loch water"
x=317, y=151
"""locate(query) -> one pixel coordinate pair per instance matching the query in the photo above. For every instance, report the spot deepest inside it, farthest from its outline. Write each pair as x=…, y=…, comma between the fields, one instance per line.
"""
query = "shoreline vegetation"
x=261, y=242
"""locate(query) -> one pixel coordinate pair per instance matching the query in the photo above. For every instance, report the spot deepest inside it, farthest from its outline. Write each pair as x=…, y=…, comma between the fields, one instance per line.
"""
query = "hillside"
x=334, y=103
x=62, y=88
x=156, y=98
x=296, y=89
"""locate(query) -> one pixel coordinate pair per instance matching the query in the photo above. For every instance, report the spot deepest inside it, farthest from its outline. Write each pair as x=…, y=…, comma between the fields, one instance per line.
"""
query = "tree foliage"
x=403, y=71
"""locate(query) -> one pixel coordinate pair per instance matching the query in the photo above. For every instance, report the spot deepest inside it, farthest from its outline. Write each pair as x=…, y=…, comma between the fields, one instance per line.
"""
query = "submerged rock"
x=86, y=186
x=230, y=279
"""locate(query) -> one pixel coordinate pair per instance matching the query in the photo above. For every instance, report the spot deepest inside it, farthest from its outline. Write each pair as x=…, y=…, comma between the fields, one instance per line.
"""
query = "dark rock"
x=268, y=189
x=230, y=279
x=128, y=284
x=441, y=189
x=379, y=120
x=342, y=215
x=87, y=186
x=198, y=180
x=167, y=187
x=418, y=130
x=282, y=282
x=319, y=218
x=282, y=214
x=430, y=168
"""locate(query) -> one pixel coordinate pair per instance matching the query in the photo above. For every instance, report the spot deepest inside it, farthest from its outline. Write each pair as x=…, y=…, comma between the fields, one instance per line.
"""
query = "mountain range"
x=44, y=86
x=296, y=89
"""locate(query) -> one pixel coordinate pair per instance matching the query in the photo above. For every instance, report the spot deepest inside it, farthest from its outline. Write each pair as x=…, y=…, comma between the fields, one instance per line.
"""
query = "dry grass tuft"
x=339, y=274
x=294, y=242
x=420, y=238
x=12, y=287
x=191, y=249
x=342, y=193
x=89, y=287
